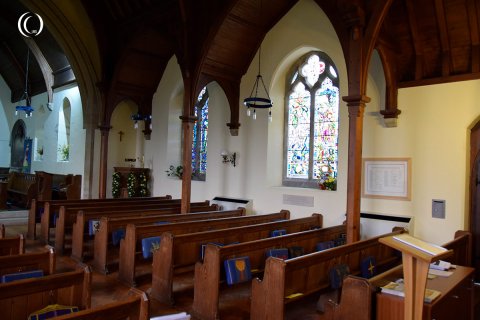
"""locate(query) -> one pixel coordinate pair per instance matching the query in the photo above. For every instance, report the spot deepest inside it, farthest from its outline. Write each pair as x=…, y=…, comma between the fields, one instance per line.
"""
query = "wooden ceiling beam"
x=473, y=9
x=443, y=33
x=417, y=45
x=439, y=80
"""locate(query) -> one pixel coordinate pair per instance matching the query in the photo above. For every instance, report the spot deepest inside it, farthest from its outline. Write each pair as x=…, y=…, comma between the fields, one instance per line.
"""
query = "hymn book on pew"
x=397, y=288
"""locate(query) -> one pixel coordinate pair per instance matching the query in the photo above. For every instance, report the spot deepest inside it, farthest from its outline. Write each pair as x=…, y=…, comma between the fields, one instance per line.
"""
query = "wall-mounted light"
x=229, y=158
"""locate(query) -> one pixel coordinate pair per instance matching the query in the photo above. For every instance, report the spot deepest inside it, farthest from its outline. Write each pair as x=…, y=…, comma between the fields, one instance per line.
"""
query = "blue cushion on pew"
x=53, y=223
x=161, y=222
x=117, y=235
x=368, y=267
x=295, y=251
x=21, y=275
x=281, y=253
x=93, y=226
x=237, y=270
x=276, y=233
x=149, y=245
x=337, y=273
x=204, y=246
x=324, y=245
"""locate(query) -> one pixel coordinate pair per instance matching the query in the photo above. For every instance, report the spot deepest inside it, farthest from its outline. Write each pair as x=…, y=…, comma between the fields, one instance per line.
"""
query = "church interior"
x=316, y=127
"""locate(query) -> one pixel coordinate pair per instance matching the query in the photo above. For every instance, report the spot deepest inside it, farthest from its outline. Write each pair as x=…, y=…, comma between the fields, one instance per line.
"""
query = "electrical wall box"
x=438, y=208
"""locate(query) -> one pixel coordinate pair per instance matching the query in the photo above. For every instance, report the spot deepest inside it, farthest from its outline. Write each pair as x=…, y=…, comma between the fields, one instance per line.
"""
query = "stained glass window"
x=311, y=142
x=200, y=131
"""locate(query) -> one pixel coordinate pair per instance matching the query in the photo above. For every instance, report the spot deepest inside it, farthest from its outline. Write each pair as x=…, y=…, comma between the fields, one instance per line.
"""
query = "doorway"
x=17, y=146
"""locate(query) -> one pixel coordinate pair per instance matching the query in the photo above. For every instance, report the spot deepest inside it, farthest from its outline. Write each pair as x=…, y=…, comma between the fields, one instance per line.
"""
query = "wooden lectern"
x=417, y=256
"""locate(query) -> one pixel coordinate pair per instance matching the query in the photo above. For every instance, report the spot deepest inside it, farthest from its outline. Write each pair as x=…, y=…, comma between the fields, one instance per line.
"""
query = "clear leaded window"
x=200, y=131
x=311, y=126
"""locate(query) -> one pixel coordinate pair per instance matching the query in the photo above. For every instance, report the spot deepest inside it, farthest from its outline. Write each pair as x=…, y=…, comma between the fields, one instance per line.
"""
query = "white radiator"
x=374, y=224
x=228, y=203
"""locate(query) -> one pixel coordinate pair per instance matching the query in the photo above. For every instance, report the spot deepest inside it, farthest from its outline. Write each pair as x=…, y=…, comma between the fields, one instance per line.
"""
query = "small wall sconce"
x=226, y=158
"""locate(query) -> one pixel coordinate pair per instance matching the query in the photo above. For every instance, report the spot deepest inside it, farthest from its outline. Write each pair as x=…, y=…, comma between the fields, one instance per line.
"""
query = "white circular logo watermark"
x=23, y=25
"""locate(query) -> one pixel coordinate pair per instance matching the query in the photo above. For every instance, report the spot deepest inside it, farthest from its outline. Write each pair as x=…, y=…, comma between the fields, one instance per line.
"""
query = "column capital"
x=191, y=119
x=354, y=100
x=233, y=128
x=104, y=128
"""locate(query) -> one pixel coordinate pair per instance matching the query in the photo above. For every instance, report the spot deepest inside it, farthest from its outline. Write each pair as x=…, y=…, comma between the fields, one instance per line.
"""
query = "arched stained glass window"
x=200, y=131
x=311, y=126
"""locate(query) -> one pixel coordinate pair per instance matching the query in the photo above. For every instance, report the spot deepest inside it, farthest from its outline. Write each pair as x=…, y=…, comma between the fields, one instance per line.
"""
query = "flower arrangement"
x=175, y=171
x=131, y=185
x=40, y=151
x=330, y=183
x=64, y=152
x=142, y=185
x=116, y=185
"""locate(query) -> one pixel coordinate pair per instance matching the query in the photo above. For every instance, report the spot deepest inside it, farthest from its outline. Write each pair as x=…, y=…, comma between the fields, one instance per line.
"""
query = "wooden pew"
x=52, y=210
x=208, y=273
x=57, y=186
x=2, y=231
x=51, y=207
x=44, y=261
x=134, y=233
x=135, y=307
x=177, y=254
x=106, y=257
x=308, y=274
x=67, y=217
x=20, y=298
x=21, y=188
x=10, y=246
x=358, y=294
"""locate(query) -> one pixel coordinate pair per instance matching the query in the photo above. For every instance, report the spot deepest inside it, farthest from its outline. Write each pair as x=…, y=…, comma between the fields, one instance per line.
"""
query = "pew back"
x=103, y=264
x=133, y=308
x=285, y=281
x=44, y=261
x=44, y=211
x=177, y=253
x=134, y=233
x=206, y=290
x=358, y=294
x=15, y=245
x=20, y=298
x=72, y=220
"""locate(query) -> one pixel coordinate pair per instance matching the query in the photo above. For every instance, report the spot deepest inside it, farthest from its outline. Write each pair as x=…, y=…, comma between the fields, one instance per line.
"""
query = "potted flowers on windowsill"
x=175, y=171
x=329, y=183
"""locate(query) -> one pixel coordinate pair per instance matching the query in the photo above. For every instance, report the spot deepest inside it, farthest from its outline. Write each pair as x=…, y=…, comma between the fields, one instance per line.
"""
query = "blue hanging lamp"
x=27, y=108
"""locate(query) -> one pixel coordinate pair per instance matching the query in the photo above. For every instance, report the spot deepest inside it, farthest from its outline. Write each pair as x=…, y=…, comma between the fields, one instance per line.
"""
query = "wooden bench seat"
x=130, y=245
x=285, y=281
x=67, y=216
x=358, y=294
x=52, y=211
x=208, y=273
x=106, y=257
x=44, y=261
x=135, y=307
x=21, y=188
x=37, y=208
x=13, y=245
x=18, y=299
x=179, y=253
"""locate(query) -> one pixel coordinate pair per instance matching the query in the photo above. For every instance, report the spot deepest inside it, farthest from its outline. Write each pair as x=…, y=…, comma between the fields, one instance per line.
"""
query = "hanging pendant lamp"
x=27, y=108
x=256, y=101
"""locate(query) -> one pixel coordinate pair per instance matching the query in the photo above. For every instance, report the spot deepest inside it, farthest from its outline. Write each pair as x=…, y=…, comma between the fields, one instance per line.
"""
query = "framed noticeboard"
x=387, y=178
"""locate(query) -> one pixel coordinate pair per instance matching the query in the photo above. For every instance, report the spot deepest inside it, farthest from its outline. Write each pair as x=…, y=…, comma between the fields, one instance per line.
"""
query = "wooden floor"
x=234, y=303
